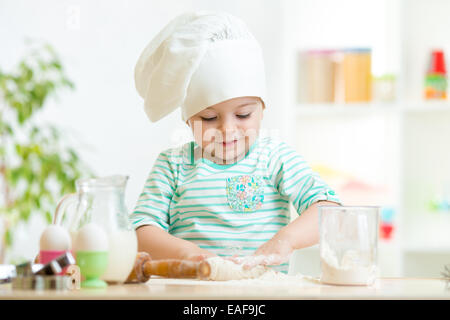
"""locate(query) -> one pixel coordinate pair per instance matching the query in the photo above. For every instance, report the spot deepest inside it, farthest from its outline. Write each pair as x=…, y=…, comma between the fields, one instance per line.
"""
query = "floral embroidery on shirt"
x=245, y=193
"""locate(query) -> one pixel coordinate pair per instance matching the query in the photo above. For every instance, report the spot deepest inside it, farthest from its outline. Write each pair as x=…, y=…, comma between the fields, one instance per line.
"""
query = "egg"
x=55, y=238
x=91, y=237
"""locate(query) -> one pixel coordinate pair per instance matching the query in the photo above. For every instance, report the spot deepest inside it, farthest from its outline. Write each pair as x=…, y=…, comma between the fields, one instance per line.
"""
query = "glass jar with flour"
x=348, y=244
x=101, y=201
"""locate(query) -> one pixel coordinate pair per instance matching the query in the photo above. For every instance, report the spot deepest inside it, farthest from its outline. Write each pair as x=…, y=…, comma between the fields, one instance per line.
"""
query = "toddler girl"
x=229, y=191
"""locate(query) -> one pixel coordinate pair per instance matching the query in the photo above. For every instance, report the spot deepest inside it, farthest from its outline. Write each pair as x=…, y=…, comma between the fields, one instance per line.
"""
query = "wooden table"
x=297, y=289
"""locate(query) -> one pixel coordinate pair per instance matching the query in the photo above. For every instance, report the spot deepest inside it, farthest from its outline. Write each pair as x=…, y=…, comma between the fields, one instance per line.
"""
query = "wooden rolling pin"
x=144, y=268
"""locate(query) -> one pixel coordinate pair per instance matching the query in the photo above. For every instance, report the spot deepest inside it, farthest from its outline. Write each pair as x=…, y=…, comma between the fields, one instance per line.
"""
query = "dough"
x=222, y=270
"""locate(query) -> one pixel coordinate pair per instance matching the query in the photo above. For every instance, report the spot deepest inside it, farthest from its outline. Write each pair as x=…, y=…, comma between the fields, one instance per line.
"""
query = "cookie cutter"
x=37, y=282
x=29, y=276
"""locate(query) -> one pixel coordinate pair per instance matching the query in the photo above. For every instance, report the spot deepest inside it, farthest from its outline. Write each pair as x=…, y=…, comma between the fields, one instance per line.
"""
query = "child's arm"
x=294, y=179
x=300, y=233
x=150, y=216
x=304, y=231
x=161, y=245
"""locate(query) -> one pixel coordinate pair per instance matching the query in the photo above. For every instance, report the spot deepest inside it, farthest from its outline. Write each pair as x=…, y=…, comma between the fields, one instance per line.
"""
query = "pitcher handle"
x=65, y=201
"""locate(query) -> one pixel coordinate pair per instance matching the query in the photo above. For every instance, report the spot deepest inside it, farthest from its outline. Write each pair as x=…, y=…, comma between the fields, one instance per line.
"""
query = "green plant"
x=36, y=166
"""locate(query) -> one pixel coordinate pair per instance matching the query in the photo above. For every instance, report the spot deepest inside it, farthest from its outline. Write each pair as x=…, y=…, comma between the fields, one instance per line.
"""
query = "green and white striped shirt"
x=228, y=209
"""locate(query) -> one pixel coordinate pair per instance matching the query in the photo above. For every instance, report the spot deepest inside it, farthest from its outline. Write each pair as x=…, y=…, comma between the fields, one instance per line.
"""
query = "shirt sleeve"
x=153, y=204
x=294, y=179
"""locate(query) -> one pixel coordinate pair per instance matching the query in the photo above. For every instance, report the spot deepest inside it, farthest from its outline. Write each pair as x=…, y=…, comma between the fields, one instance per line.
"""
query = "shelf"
x=336, y=109
x=427, y=250
x=428, y=106
x=362, y=109
x=401, y=142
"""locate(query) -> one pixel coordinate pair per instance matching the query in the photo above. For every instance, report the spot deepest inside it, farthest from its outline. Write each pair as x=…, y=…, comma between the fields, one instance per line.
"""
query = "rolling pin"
x=145, y=267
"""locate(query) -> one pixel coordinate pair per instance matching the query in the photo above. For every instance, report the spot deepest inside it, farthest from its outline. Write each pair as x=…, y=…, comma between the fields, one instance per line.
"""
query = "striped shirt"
x=228, y=209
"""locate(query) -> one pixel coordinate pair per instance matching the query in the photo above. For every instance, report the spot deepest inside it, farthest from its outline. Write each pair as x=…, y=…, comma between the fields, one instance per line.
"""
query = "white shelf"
x=336, y=109
x=362, y=109
x=428, y=106
x=400, y=144
x=428, y=250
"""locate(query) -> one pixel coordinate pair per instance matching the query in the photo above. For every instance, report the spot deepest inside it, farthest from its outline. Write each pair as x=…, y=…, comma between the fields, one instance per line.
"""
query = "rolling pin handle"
x=204, y=270
x=138, y=274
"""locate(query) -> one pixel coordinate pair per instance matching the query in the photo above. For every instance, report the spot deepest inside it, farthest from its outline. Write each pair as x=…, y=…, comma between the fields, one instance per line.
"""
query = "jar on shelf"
x=317, y=76
x=436, y=77
x=357, y=75
x=384, y=88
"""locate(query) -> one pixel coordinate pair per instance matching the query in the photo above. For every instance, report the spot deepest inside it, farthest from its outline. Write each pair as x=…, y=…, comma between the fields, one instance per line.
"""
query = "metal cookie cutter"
x=44, y=277
x=42, y=283
x=57, y=265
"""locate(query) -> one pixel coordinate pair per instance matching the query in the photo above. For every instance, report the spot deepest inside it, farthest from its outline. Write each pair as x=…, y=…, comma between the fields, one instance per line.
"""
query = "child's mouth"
x=228, y=144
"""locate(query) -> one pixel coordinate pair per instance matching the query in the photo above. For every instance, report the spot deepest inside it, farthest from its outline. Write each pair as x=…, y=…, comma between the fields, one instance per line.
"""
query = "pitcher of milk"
x=101, y=201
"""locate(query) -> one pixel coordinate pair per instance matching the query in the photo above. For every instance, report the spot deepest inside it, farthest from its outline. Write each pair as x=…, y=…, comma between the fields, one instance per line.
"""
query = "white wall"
x=99, y=43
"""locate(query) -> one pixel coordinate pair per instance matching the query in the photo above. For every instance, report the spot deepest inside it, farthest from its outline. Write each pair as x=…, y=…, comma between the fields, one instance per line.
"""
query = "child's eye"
x=243, y=116
x=208, y=119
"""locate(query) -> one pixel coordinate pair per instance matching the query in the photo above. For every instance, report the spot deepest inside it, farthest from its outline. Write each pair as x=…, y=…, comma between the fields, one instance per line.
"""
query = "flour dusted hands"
x=275, y=251
x=300, y=233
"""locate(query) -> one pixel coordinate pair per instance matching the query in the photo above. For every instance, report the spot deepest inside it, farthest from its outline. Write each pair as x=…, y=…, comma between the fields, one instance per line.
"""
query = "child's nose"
x=227, y=127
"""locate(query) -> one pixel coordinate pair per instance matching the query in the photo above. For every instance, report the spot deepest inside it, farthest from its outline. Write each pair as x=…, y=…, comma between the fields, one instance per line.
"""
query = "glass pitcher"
x=101, y=201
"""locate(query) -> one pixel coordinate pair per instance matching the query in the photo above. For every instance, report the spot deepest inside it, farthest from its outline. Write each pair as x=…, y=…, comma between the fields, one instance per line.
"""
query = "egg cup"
x=93, y=265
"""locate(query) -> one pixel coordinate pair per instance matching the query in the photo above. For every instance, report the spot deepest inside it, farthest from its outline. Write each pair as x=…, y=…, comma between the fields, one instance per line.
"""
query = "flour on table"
x=227, y=273
x=223, y=270
x=349, y=271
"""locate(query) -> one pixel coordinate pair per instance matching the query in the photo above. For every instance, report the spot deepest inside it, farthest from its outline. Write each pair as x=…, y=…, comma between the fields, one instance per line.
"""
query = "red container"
x=386, y=230
x=437, y=62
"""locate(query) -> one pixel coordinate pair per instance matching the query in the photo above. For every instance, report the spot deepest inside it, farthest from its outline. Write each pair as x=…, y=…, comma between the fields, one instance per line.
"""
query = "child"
x=228, y=192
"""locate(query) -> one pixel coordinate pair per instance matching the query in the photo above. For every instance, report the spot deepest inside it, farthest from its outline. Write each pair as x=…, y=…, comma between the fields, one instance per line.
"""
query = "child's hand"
x=273, y=252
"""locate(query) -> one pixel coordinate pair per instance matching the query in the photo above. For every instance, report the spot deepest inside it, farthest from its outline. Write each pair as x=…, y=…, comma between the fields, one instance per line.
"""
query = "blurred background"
x=358, y=87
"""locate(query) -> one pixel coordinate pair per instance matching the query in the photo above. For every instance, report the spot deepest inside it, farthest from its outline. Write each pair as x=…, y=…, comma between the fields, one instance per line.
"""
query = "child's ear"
x=262, y=103
x=263, y=108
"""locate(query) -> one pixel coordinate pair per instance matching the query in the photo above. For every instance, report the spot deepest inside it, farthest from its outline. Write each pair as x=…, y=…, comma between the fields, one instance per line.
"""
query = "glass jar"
x=348, y=244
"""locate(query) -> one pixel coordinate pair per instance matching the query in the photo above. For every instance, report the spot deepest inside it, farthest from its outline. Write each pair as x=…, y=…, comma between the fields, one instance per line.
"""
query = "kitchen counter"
x=296, y=288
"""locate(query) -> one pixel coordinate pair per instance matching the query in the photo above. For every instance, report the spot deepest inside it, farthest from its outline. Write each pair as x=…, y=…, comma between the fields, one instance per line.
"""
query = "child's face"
x=226, y=131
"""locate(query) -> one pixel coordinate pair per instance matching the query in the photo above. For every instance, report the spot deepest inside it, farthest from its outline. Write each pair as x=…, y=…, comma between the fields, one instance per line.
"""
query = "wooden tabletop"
x=296, y=288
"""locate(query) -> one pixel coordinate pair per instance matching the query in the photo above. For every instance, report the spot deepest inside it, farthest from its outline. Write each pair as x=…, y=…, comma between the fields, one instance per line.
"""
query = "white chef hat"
x=199, y=59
